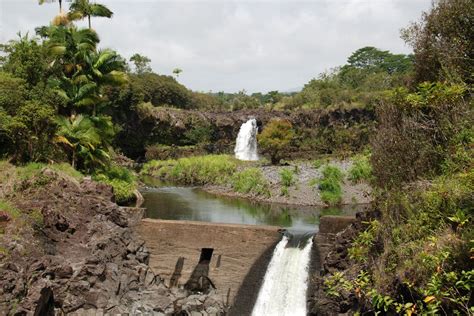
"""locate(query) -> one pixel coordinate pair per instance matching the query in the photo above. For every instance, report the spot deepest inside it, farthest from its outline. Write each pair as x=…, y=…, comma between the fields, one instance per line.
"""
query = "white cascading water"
x=284, y=288
x=246, y=144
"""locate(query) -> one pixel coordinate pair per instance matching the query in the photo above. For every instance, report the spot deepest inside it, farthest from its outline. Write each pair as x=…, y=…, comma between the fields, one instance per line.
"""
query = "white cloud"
x=257, y=45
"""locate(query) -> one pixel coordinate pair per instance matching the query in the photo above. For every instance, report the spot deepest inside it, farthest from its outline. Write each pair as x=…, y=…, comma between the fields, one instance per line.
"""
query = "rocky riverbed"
x=70, y=249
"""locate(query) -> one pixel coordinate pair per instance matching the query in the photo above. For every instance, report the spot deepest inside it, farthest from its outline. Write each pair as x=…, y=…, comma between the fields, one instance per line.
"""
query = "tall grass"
x=330, y=185
x=209, y=169
x=287, y=179
x=252, y=181
x=361, y=169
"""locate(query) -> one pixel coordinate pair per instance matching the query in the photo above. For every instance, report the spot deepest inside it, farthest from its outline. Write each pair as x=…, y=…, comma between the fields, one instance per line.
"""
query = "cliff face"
x=79, y=254
x=218, y=130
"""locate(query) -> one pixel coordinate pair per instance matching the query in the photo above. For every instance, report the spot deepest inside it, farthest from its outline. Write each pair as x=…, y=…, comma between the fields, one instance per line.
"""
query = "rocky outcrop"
x=172, y=126
x=82, y=256
x=330, y=255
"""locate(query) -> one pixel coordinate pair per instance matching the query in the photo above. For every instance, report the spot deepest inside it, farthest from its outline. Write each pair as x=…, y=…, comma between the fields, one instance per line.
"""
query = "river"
x=194, y=204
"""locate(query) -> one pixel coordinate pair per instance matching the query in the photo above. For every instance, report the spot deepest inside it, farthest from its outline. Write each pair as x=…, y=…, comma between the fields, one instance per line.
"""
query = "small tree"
x=177, y=71
x=275, y=139
x=141, y=63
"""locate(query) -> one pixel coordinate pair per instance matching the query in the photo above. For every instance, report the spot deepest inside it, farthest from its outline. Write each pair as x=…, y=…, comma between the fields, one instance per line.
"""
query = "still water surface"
x=187, y=203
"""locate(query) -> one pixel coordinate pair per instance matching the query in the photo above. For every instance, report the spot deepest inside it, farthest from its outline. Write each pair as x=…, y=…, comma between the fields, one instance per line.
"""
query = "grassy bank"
x=121, y=179
x=199, y=170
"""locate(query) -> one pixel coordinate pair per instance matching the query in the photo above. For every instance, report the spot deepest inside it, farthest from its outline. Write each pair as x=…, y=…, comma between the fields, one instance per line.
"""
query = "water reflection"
x=186, y=203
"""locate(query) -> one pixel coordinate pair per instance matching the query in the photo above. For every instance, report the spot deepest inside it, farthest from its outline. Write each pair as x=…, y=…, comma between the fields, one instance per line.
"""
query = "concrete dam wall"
x=237, y=255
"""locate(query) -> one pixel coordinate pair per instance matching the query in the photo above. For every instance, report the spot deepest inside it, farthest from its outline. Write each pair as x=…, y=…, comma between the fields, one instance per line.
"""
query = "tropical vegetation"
x=68, y=105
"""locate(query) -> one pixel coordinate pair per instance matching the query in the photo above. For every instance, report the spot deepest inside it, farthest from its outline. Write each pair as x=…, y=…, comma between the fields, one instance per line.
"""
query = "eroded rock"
x=86, y=257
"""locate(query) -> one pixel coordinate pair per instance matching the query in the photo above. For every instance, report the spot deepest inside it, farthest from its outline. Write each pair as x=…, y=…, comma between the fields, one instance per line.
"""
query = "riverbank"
x=67, y=247
x=304, y=191
x=299, y=183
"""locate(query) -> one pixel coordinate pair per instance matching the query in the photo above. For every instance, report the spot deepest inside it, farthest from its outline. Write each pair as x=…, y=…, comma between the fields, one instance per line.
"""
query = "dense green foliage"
x=362, y=82
x=442, y=42
x=275, y=139
x=53, y=94
x=422, y=133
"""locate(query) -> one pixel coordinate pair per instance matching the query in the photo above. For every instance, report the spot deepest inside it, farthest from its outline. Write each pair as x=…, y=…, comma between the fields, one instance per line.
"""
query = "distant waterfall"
x=283, y=291
x=246, y=144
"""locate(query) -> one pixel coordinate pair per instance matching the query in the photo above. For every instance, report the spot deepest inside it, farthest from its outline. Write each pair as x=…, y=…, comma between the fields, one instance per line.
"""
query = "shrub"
x=252, y=181
x=287, y=177
x=330, y=185
x=335, y=284
x=361, y=169
x=418, y=132
x=199, y=134
x=364, y=241
x=210, y=169
x=275, y=139
x=123, y=191
x=333, y=172
x=120, y=173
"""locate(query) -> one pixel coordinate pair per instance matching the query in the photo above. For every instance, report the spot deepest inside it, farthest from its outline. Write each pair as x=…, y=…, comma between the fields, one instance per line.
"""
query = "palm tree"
x=71, y=49
x=87, y=138
x=105, y=68
x=81, y=9
x=69, y=46
x=83, y=71
x=49, y=1
x=79, y=135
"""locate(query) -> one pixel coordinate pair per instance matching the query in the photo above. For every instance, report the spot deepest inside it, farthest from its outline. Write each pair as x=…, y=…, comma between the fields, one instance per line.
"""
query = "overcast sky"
x=225, y=45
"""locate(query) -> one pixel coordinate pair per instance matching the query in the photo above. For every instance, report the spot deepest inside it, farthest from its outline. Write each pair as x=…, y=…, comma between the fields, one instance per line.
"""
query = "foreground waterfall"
x=284, y=288
x=246, y=144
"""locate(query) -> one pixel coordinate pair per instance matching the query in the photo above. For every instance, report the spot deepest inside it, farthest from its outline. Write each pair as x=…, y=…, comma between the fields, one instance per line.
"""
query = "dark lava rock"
x=85, y=258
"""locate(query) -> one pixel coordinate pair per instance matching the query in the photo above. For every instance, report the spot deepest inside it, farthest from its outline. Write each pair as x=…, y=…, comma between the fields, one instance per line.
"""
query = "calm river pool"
x=194, y=204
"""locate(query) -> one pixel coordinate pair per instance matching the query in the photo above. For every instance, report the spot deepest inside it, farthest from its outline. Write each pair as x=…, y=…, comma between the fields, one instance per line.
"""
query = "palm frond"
x=115, y=78
x=100, y=10
x=85, y=90
x=63, y=140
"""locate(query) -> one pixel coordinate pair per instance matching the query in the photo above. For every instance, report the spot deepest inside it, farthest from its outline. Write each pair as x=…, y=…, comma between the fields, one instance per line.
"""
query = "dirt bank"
x=302, y=192
x=68, y=248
